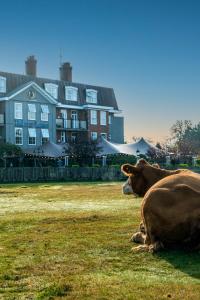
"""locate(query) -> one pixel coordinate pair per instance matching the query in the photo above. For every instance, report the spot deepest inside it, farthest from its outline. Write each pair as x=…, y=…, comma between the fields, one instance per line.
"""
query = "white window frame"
x=2, y=84
x=31, y=111
x=45, y=135
x=45, y=112
x=109, y=119
x=94, y=135
x=91, y=96
x=32, y=135
x=18, y=111
x=52, y=89
x=93, y=117
x=103, y=118
x=18, y=136
x=71, y=93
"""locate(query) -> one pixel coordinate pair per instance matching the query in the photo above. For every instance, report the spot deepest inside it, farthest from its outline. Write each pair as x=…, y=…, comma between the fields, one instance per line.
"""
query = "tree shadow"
x=187, y=262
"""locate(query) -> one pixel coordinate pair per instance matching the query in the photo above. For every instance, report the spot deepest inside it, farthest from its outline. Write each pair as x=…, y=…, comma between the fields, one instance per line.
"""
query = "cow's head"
x=140, y=177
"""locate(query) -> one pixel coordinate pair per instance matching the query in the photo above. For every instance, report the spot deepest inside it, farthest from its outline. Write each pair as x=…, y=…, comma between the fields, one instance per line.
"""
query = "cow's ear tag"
x=128, y=169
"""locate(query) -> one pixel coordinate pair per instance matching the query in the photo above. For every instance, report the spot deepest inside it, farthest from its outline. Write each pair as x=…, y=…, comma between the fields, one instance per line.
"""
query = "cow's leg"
x=150, y=242
x=139, y=237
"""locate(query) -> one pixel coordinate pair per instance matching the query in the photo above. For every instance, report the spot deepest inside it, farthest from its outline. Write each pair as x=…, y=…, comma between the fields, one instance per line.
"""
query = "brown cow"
x=170, y=209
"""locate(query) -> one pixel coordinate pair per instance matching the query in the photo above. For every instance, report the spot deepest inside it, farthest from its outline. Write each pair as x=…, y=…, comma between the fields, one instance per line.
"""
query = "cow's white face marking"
x=127, y=188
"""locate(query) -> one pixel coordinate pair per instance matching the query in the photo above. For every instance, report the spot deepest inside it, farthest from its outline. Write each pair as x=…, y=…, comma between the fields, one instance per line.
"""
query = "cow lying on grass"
x=170, y=209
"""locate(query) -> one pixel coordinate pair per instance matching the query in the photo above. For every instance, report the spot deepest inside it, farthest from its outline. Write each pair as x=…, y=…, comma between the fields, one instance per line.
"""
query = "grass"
x=71, y=241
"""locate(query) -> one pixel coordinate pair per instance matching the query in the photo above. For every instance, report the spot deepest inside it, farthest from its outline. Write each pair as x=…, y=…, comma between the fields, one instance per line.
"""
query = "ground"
x=71, y=241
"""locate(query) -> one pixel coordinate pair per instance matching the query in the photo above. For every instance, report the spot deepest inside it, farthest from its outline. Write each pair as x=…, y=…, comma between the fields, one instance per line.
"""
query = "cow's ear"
x=128, y=169
x=142, y=161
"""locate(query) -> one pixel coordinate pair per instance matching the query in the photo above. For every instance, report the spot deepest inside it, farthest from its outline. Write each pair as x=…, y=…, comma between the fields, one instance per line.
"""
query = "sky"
x=148, y=51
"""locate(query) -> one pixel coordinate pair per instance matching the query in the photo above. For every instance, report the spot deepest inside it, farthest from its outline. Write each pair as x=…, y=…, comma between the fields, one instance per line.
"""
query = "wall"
x=117, y=130
x=11, y=123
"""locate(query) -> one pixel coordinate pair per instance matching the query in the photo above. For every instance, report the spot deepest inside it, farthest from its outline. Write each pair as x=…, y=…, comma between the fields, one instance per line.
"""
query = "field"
x=71, y=241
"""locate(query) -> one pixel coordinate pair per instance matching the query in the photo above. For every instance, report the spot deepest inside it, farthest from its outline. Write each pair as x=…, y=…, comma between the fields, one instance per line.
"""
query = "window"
x=93, y=136
x=31, y=136
x=74, y=116
x=91, y=96
x=104, y=135
x=45, y=135
x=93, y=117
x=63, y=113
x=44, y=113
x=103, y=118
x=31, y=112
x=109, y=120
x=18, y=110
x=62, y=137
x=2, y=84
x=52, y=89
x=18, y=136
x=71, y=93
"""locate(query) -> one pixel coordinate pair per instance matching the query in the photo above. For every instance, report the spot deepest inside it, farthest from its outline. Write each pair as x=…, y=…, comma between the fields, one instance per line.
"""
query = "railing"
x=71, y=124
x=1, y=119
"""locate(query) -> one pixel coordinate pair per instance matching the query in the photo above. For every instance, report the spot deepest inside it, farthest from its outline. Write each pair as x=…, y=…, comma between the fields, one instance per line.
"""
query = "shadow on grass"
x=187, y=262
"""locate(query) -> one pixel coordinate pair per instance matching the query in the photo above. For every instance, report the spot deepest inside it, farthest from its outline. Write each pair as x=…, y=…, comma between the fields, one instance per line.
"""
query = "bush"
x=119, y=159
x=95, y=166
x=183, y=165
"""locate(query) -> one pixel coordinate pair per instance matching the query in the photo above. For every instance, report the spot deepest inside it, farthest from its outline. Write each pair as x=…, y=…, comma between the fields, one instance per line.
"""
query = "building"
x=34, y=110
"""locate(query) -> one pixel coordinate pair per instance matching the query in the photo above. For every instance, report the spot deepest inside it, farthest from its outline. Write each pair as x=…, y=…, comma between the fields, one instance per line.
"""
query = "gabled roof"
x=105, y=96
x=26, y=86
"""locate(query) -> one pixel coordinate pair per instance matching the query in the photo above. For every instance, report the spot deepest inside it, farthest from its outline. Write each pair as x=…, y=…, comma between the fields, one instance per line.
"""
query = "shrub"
x=183, y=165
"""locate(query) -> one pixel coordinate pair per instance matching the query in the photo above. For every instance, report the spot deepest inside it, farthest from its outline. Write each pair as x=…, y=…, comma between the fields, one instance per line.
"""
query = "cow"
x=170, y=209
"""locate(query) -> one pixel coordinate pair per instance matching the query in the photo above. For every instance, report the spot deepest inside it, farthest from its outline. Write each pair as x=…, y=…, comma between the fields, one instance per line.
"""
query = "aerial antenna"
x=60, y=57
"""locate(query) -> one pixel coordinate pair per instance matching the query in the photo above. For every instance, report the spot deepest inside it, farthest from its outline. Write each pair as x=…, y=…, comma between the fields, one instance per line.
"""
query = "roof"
x=48, y=149
x=105, y=96
x=137, y=148
x=107, y=147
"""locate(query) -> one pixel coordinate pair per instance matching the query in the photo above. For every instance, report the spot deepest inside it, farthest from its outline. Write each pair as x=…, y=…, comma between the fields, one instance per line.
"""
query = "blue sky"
x=148, y=51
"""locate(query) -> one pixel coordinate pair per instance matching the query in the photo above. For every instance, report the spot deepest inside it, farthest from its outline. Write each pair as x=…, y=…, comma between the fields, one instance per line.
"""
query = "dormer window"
x=2, y=84
x=52, y=89
x=91, y=96
x=71, y=93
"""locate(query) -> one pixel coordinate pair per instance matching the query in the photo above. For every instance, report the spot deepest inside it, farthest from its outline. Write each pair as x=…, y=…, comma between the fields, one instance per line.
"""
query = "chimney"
x=66, y=72
x=31, y=65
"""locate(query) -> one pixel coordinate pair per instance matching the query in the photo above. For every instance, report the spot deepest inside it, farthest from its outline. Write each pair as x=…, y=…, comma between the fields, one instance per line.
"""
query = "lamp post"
x=66, y=160
x=104, y=160
x=138, y=154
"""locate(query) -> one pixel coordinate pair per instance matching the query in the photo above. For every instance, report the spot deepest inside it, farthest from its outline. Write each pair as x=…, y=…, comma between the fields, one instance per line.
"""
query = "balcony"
x=2, y=122
x=71, y=124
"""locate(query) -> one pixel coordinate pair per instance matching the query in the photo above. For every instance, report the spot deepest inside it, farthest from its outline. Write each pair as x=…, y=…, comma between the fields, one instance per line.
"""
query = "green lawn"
x=71, y=241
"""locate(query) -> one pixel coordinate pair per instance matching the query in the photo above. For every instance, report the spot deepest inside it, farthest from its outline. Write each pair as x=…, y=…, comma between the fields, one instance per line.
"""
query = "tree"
x=7, y=149
x=9, y=154
x=82, y=150
x=179, y=131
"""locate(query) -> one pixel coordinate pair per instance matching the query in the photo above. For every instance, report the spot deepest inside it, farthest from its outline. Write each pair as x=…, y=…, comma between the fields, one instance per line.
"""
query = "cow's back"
x=186, y=177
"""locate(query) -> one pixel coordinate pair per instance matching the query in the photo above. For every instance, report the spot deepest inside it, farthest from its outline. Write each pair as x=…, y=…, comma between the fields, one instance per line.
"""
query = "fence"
x=28, y=174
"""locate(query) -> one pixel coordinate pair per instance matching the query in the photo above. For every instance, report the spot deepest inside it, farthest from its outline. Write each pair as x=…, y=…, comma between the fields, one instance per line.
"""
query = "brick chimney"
x=31, y=66
x=66, y=72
